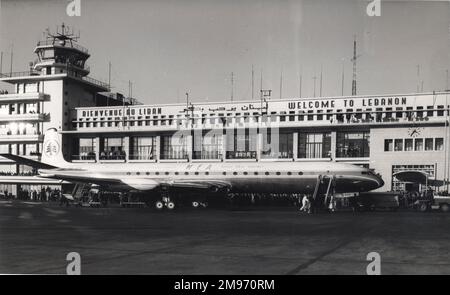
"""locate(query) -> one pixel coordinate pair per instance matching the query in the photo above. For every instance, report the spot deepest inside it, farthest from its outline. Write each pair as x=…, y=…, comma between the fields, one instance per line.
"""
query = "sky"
x=170, y=47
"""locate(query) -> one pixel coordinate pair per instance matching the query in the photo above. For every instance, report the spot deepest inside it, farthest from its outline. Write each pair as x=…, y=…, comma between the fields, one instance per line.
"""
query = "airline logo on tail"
x=51, y=148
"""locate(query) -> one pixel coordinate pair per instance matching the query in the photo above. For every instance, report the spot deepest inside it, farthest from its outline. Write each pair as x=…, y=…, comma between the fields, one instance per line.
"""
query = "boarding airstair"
x=327, y=180
x=80, y=194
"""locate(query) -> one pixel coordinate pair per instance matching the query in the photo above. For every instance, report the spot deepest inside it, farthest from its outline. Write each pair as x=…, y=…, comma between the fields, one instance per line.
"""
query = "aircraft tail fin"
x=52, y=149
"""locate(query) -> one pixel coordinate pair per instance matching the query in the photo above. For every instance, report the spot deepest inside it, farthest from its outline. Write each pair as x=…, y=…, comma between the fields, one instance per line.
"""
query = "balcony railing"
x=19, y=74
x=84, y=157
x=35, y=73
x=96, y=82
x=15, y=138
x=23, y=117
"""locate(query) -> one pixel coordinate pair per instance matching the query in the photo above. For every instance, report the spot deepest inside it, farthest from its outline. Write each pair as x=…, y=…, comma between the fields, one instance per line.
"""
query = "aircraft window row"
x=207, y=173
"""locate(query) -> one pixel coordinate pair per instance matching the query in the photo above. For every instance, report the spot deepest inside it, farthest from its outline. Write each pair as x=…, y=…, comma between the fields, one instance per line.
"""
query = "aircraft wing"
x=143, y=184
x=420, y=177
x=26, y=161
x=69, y=176
x=199, y=184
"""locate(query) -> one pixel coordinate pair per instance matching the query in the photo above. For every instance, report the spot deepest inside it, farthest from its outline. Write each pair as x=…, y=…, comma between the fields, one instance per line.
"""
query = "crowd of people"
x=113, y=154
x=45, y=194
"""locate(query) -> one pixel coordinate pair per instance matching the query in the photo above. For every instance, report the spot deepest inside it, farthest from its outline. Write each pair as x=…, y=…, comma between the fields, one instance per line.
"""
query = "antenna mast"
x=321, y=81
x=281, y=85
x=109, y=75
x=300, y=86
x=314, y=78
x=11, y=64
x=342, y=86
x=253, y=83
x=354, y=67
x=232, y=86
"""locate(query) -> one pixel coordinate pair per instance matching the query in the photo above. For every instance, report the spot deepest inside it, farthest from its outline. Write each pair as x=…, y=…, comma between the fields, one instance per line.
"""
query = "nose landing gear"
x=198, y=204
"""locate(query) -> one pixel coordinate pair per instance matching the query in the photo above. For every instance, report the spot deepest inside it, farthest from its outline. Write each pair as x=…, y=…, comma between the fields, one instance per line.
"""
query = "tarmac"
x=35, y=238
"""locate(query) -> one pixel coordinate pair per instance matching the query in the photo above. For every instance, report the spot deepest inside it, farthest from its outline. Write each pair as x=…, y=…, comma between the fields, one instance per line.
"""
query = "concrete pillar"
x=126, y=147
x=157, y=148
x=97, y=149
x=259, y=145
x=224, y=146
x=295, y=145
x=333, y=144
x=189, y=146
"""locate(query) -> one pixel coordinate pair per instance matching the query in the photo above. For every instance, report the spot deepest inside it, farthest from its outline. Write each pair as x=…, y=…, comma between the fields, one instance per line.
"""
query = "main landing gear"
x=165, y=201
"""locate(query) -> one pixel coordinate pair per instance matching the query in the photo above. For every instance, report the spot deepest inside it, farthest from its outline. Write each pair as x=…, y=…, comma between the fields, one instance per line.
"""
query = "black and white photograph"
x=234, y=139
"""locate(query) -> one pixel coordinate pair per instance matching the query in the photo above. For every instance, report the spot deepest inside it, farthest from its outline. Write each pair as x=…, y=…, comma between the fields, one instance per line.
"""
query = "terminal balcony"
x=17, y=76
x=28, y=117
x=21, y=138
x=22, y=97
x=118, y=124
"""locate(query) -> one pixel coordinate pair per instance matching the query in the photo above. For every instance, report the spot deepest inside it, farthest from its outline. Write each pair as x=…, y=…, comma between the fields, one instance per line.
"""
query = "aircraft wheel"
x=423, y=207
x=195, y=204
x=170, y=205
x=205, y=204
x=445, y=208
x=159, y=205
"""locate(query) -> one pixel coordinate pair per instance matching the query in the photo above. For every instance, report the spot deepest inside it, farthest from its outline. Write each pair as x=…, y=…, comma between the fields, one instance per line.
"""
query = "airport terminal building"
x=387, y=133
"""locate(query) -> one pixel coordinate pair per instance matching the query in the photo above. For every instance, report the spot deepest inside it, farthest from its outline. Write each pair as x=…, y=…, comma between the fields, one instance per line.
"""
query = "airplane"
x=308, y=177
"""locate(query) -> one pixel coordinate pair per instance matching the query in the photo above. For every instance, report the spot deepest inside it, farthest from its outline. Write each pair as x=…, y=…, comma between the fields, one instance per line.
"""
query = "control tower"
x=43, y=96
x=60, y=53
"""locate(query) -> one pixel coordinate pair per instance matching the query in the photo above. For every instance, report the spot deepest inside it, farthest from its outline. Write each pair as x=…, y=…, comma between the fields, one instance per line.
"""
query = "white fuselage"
x=273, y=177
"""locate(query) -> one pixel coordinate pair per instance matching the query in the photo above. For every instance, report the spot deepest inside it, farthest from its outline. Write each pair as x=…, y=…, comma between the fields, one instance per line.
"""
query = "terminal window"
x=428, y=144
x=241, y=144
x=398, y=145
x=418, y=144
x=439, y=144
x=408, y=144
x=277, y=145
x=388, y=145
x=142, y=147
x=84, y=148
x=174, y=147
x=314, y=145
x=353, y=144
x=207, y=146
x=112, y=148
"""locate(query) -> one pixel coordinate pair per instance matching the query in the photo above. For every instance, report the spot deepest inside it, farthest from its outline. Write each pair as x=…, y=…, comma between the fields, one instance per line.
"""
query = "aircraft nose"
x=379, y=180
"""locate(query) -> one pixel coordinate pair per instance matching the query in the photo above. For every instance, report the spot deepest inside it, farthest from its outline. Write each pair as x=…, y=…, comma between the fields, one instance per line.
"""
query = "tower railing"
x=67, y=44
